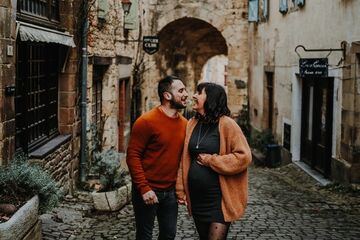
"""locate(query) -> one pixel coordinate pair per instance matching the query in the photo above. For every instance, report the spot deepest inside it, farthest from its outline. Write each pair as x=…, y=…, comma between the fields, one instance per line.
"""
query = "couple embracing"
x=201, y=163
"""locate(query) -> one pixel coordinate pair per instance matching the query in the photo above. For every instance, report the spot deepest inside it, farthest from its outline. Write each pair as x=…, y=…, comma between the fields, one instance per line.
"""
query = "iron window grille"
x=97, y=97
x=36, y=98
x=43, y=9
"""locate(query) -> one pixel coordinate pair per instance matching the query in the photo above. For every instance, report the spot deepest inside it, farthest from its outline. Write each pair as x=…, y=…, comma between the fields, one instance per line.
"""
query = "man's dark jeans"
x=166, y=211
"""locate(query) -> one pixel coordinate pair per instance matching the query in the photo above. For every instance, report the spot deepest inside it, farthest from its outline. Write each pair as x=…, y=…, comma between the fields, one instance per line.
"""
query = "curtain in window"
x=253, y=10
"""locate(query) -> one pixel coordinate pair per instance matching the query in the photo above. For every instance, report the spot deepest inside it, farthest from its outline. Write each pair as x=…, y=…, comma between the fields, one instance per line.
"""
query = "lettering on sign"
x=313, y=67
x=150, y=44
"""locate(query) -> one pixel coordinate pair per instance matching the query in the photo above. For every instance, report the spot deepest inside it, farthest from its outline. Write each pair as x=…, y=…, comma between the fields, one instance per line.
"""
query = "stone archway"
x=191, y=32
x=186, y=45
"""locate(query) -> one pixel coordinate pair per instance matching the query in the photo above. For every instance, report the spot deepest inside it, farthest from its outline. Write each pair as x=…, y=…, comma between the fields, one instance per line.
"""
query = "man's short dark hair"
x=165, y=85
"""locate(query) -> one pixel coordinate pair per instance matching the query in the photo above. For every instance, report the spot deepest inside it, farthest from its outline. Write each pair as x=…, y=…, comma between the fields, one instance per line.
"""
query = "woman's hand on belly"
x=201, y=159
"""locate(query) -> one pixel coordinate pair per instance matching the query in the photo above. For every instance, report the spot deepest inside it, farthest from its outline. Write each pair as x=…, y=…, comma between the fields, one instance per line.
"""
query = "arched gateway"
x=190, y=34
x=186, y=45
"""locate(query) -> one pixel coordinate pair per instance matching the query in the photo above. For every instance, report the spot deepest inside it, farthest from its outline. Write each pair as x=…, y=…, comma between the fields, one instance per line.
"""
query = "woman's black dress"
x=204, y=186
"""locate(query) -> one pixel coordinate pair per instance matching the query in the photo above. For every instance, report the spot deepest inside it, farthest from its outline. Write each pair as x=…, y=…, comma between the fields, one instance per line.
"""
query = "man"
x=153, y=157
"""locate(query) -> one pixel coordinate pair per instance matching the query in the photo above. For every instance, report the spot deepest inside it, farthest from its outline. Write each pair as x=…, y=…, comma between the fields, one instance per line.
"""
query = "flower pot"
x=112, y=200
x=24, y=224
x=259, y=158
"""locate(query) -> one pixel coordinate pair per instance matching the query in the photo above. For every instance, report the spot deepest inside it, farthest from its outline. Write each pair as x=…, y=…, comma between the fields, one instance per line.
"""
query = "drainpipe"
x=84, y=64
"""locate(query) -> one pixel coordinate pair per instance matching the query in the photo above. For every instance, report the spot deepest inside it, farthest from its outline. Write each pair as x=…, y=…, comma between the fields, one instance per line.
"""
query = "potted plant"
x=113, y=190
x=265, y=151
x=26, y=191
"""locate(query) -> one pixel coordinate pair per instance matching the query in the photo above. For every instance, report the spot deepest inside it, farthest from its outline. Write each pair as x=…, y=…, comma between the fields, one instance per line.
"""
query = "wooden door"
x=316, y=129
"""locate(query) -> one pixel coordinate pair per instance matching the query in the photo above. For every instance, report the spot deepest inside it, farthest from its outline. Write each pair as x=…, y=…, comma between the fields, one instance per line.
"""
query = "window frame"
x=37, y=95
x=50, y=17
x=96, y=103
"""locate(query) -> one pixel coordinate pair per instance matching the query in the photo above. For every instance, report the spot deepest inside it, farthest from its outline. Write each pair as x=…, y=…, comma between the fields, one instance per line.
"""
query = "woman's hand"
x=182, y=201
x=201, y=159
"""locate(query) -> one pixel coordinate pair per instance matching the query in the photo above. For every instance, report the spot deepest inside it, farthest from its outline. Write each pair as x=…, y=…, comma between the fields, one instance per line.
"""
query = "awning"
x=30, y=32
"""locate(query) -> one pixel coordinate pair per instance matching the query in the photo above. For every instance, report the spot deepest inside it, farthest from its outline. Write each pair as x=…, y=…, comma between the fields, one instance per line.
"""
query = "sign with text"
x=313, y=67
x=151, y=44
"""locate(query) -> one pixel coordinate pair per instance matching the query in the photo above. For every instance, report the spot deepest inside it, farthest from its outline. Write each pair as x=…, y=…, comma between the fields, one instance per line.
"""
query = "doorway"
x=316, y=127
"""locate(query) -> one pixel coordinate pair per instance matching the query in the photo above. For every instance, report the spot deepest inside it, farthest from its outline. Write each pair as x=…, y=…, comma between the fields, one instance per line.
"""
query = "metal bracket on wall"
x=330, y=50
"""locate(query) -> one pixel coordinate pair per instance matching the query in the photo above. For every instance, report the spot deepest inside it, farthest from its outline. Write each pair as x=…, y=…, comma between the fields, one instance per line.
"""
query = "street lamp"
x=126, y=4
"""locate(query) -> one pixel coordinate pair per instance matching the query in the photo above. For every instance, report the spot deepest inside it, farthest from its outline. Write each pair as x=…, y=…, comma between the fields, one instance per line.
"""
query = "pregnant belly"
x=202, y=179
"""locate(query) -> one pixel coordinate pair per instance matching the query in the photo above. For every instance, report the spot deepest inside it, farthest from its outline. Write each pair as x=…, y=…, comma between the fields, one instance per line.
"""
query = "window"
x=36, y=98
x=253, y=11
x=270, y=97
x=265, y=9
x=46, y=9
x=97, y=96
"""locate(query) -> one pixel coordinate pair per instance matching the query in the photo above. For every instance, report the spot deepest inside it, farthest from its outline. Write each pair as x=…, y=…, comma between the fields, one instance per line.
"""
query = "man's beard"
x=176, y=105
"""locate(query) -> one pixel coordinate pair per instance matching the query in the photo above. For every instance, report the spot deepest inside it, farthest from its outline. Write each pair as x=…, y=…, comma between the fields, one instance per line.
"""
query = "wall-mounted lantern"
x=126, y=5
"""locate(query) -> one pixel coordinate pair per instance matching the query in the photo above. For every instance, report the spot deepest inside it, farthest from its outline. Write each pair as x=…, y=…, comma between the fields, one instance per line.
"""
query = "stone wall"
x=109, y=48
x=63, y=162
x=61, y=165
x=273, y=41
x=191, y=32
x=7, y=78
x=347, y=165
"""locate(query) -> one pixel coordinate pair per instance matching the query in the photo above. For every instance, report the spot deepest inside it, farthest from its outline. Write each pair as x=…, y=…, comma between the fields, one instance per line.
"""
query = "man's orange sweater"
x=154, y=150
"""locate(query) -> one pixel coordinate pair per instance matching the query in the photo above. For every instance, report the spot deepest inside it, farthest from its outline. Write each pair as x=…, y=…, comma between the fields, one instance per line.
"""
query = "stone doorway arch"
x=186, y=45
x=191, y=32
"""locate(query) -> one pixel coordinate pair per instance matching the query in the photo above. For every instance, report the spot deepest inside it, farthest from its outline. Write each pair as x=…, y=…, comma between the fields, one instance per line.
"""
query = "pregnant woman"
x=212, y=178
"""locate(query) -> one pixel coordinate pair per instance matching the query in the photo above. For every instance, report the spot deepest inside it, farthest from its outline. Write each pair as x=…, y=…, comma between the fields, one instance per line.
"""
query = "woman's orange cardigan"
x=231, y=164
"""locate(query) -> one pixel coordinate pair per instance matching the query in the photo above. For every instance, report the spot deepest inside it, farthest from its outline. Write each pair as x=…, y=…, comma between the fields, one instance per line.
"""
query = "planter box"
x=259, y=159
x=112, y=201
x=24, y=223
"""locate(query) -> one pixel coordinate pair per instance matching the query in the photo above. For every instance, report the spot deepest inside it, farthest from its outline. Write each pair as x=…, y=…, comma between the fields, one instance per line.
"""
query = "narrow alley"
x=284, y=203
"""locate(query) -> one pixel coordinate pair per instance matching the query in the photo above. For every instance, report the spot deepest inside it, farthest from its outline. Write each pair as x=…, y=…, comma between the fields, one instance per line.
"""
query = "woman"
x=212, y=177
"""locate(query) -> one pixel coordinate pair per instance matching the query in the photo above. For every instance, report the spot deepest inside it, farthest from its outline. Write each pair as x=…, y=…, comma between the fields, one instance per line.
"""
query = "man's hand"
x=150, y=198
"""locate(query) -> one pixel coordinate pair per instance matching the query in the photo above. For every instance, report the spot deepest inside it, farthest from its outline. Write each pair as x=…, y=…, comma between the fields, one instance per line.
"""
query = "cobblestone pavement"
x=284, y=203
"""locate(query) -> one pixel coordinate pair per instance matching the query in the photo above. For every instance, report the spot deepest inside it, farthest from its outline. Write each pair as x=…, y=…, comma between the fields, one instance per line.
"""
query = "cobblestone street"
x=284, y=203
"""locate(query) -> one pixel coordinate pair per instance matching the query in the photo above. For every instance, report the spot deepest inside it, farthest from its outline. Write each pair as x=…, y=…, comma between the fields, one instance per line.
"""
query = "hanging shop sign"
x=313, y=67
x=151, y=44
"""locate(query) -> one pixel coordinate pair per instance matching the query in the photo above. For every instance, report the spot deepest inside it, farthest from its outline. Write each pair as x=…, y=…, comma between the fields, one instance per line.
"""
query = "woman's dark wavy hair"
x=215, y=105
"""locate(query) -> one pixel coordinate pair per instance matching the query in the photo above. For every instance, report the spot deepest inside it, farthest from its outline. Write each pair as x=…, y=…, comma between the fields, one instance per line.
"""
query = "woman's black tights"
x=212, y=230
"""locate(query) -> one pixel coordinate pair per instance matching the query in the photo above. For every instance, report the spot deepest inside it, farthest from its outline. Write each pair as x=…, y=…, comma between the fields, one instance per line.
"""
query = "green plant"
x=106, y=165
x=243, y=120
x=21, y=180
x=259, y=140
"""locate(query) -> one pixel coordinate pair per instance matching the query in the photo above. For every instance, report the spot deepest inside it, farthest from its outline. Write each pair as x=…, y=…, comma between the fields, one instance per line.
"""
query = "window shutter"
x=300, y=3
x=283, y=6
x=103, y=9
x=266, y=9
x=131, y=20
x=253, y=11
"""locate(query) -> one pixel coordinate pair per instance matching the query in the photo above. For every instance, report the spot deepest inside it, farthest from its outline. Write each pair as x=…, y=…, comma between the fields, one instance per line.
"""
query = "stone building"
x=110, y=70
x=313, y=110
x=122, y=79
x=190, y=34
x=42, y=61
x=39, y=85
